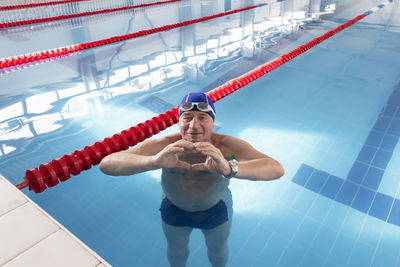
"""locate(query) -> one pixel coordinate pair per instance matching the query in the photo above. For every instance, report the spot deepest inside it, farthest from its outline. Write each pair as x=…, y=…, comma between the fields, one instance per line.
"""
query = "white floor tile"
x=59, y=249
x=10, y=199
x=21, y=228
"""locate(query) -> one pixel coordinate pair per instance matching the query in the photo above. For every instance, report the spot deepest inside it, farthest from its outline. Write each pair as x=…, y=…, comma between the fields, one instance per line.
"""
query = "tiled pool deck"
x=31, y=237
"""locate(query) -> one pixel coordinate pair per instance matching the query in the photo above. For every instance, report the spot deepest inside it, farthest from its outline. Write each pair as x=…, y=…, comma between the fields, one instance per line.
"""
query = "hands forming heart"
x=200, y=156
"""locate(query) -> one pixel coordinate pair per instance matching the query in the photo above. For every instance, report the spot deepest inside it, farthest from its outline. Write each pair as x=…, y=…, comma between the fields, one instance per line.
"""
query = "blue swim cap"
x=196, y=97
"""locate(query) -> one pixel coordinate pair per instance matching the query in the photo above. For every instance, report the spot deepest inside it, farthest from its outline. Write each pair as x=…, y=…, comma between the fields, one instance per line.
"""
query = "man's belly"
x=193, y=191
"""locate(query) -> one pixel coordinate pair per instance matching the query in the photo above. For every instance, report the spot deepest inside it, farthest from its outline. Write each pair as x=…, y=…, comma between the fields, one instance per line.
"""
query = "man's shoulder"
x=164, y=140
x=224, y=139
x=169, y=139
x=226, y=143
x=153, y=145
x=239, y=149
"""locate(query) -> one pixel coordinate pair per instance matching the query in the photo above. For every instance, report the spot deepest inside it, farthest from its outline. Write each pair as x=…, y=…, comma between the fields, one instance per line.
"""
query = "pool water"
x=331, y=116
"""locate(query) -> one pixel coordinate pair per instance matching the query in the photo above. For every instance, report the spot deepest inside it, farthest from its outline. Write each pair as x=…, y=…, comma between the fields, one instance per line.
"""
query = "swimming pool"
x=331, y=116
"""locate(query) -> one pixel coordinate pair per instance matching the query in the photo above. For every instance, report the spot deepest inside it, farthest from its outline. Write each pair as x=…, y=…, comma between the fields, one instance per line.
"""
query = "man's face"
x=196, y=126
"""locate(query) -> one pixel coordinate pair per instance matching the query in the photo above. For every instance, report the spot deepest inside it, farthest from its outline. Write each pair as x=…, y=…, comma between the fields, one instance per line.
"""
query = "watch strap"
x=234, y=169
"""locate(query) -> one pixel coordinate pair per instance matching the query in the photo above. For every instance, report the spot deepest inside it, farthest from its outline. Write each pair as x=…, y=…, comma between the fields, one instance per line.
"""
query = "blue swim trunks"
x=206, y=219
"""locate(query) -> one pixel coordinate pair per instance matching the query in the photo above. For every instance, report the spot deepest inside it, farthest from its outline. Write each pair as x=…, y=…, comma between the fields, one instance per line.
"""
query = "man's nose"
x=194, y=123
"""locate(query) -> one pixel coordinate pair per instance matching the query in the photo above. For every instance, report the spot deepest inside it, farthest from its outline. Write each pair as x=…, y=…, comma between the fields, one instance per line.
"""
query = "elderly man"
x=197, y=165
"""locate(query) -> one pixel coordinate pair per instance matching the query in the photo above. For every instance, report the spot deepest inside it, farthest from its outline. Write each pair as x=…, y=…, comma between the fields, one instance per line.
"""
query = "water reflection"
x=95, y=87
x=18, y=14
x=191, y=55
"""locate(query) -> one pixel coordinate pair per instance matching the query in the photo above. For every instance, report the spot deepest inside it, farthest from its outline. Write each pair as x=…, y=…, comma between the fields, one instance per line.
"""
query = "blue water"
x=331, y=116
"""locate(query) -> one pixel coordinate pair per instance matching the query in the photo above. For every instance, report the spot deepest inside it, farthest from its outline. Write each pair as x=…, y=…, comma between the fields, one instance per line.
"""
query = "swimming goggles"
x=201, y=106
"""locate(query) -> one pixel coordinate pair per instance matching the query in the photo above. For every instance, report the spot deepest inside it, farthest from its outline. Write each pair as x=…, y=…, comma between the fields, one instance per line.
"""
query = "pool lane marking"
x=60, y=169
x=360, y=188
x=2, y=8
x=77, y=15
x=9, y=64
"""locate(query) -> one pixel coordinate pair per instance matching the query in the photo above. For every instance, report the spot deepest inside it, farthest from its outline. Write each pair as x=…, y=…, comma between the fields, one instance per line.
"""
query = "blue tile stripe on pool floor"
x=359, y=189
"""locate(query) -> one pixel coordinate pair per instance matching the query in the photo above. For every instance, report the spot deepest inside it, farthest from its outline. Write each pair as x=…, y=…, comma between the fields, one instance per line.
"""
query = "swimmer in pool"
x=197, y=165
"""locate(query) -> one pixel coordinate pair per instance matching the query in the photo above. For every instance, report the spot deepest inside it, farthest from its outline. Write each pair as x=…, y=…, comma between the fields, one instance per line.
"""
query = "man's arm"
x=132, y=161
x=150, y=155
x=253, y=165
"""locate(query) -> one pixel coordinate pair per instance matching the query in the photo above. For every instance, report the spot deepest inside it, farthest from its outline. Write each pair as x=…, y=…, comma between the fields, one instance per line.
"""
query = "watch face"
x=234, y=165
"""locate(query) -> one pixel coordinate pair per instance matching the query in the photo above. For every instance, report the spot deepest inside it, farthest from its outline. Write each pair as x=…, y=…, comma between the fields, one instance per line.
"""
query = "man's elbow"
x=103, y=167
x=273, y=173
x=278, y=172
x=106, y=167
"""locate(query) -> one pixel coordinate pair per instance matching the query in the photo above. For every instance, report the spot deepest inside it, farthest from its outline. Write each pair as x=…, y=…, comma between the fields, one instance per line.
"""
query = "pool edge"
x=38, y=243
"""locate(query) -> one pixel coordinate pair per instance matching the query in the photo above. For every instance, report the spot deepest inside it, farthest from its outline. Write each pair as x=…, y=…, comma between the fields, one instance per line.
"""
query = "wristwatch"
x=234, y=169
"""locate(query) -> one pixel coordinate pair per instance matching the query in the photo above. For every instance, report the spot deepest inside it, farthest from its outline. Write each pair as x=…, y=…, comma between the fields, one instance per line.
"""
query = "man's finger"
x=175, y=150
x=216, y=155
x=204, y=145
x=185, y=144
x=183, y=165
x=199, y=167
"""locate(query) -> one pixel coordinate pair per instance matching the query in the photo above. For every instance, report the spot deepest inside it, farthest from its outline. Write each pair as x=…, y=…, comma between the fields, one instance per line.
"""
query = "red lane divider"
x=39, y=4
x=33, y=63
x=83, y=14
x=58, y=52
x=60, y=169
x=237, y=83
x=49, y=174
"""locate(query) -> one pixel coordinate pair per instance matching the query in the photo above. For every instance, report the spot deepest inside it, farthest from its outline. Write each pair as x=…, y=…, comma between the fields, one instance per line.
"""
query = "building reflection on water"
x=124, y=69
